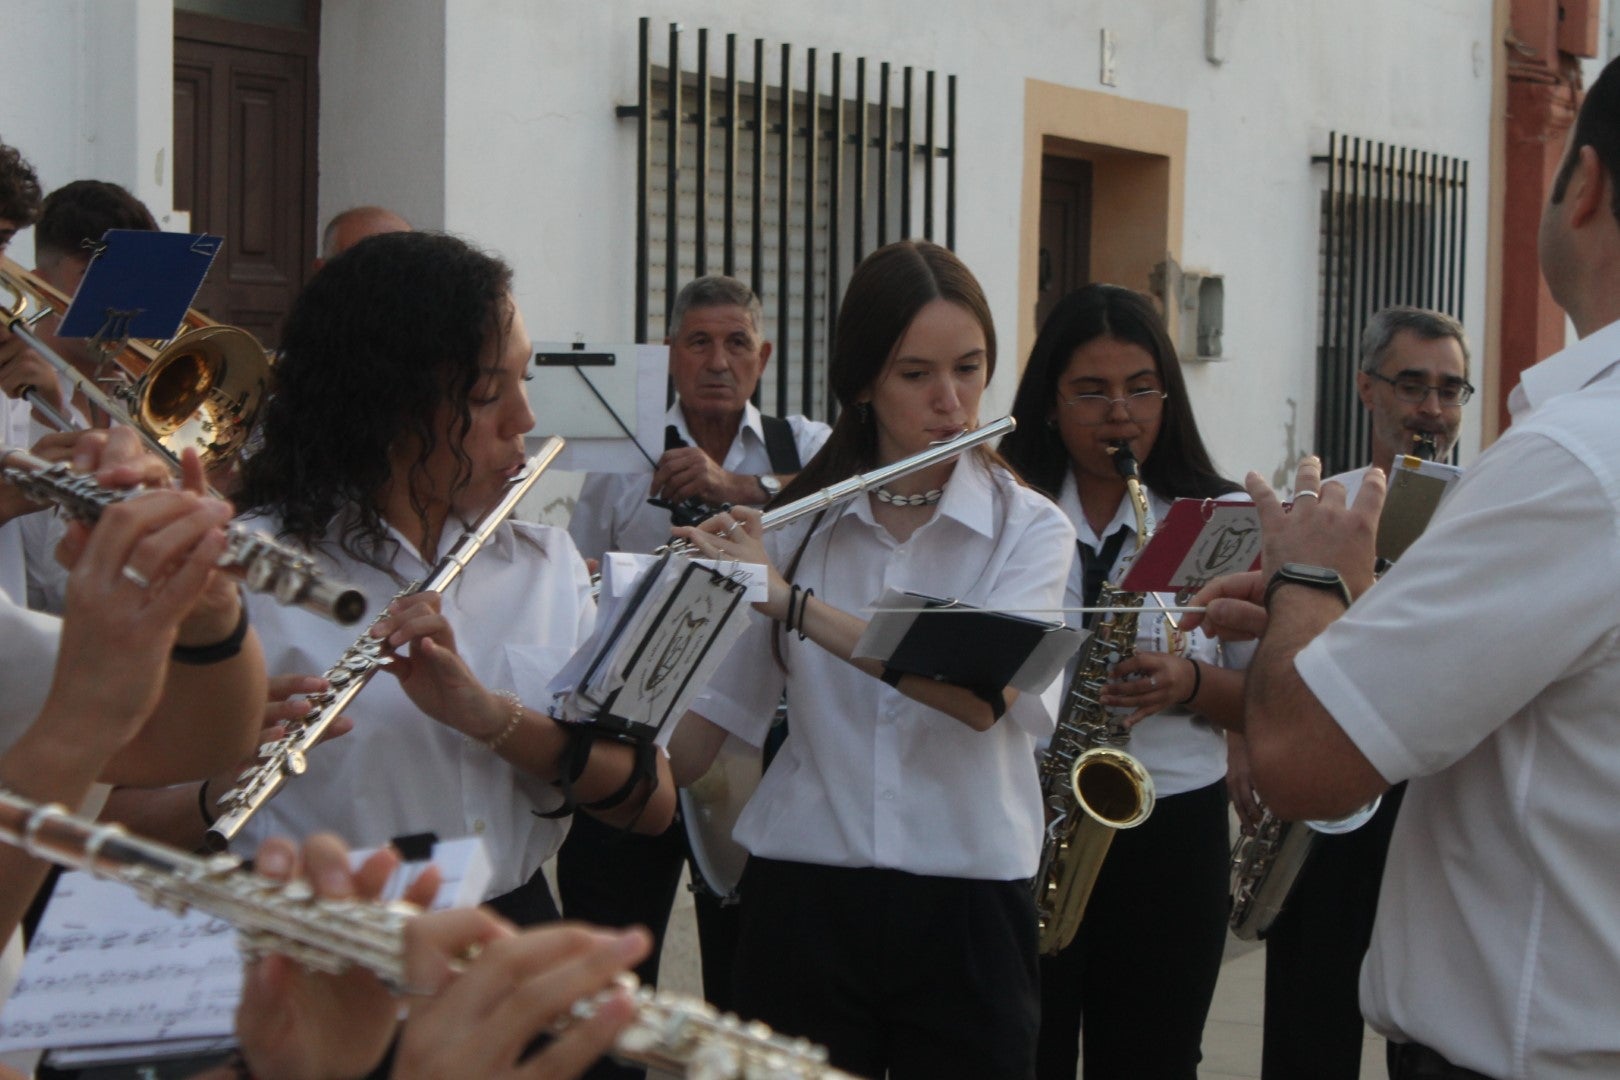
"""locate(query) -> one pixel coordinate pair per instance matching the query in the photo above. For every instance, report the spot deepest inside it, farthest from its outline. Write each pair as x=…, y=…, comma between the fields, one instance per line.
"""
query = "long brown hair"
x=885, y=293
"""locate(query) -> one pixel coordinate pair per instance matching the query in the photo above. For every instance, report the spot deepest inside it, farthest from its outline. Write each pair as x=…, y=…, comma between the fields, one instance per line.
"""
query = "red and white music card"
x=1198, y=540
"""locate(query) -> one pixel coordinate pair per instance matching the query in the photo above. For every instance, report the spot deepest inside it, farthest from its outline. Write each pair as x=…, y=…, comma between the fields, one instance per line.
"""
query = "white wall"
x=494, y=119
x=383, y=114
x=537, y=167
x=90, y=95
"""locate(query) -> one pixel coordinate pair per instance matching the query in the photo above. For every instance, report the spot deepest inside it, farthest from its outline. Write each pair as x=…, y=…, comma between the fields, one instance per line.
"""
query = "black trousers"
x=1314, y=950
x=1411, y=1061
x=1141, y=971
x=615, y=878
x=895, y=973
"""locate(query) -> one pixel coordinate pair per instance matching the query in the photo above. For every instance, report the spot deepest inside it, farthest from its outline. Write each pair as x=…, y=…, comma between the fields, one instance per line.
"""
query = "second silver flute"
x=284, y=757
x=264, y=565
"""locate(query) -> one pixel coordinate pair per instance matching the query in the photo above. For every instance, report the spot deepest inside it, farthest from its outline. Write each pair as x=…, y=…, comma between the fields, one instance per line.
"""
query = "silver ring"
x=1153, y=681
x=133, y=575
x=729, y=530
x=1306, y=495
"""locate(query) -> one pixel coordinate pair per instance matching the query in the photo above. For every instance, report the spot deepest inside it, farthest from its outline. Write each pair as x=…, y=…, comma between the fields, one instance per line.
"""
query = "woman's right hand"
x=737, y=535
x=132, y=580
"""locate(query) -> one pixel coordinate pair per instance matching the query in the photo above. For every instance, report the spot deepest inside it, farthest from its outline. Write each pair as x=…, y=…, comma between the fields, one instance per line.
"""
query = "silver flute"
x=833, y=494
x=284, y=757
x=262, y=564
x=672, y=1032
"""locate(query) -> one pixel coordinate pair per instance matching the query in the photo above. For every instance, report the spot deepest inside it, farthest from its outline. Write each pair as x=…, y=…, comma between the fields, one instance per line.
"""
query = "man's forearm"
x=1303, y=764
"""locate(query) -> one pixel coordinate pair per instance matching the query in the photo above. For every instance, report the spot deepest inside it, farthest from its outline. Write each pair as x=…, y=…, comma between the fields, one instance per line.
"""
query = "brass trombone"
x=203, y=389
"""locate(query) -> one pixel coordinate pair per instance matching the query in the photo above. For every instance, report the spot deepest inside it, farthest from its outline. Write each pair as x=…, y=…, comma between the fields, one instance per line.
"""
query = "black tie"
x=1097, y=566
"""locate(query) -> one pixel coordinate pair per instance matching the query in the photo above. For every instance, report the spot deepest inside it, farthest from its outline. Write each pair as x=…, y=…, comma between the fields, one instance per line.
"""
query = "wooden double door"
x=245, y=98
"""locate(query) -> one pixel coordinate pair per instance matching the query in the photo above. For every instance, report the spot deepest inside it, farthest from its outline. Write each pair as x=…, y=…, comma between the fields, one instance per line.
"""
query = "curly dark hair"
x=380, y=339
x=19, y=188
x=1179, y=466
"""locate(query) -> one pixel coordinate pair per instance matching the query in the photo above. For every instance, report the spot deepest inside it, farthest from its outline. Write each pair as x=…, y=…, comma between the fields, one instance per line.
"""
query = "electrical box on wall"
x=1194, y=309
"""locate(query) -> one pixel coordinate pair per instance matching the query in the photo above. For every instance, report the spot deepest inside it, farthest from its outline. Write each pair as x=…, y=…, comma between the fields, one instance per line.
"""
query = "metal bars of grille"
x=1394, y=231
x=847, y=173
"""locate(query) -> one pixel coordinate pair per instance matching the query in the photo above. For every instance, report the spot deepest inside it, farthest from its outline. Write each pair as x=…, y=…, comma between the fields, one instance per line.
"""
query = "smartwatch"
x=1312, y=577
x=770, y=485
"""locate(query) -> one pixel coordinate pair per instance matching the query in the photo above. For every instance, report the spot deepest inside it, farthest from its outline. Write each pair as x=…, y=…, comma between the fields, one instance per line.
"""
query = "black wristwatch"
x=1313, y=577
x=770, y=485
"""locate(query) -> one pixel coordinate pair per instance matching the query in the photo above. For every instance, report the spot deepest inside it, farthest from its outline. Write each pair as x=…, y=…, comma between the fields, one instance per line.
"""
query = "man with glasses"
x=1414, y=382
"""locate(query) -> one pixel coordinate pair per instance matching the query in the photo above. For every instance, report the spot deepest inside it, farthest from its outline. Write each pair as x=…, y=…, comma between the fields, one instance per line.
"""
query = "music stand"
x=139, y=284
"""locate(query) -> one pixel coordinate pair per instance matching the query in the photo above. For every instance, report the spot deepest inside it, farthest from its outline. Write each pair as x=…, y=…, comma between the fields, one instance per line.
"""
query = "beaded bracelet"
x=496, y=741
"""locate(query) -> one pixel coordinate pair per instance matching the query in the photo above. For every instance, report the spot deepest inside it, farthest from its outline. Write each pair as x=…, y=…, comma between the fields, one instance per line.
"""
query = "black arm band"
x=218, y=651
x=891, y=676
x=581, y=738
x=570, y=767
x=996, y=699
x=202, y=805
x=1198, y=682
x=645, y=768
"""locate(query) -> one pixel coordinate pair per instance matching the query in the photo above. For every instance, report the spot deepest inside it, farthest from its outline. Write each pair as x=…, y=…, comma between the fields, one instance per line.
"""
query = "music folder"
x=657, y=641
x=972, y=647
x=1198, y=540
x=1415, y=489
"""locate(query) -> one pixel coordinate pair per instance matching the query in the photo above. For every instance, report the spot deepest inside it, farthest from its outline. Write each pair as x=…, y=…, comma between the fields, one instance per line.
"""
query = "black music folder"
x=953, y=642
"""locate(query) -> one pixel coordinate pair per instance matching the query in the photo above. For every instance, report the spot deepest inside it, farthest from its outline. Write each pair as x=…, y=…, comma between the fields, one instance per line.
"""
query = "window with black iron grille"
x=1394, y=231
x=783, y=188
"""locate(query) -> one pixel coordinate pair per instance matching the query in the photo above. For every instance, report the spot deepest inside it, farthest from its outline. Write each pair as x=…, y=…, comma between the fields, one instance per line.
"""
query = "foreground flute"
x=262, y=564
x=284, y=757
x=683, y=1035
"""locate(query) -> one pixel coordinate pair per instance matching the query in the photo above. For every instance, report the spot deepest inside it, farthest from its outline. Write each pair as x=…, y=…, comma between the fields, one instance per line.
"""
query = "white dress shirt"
x=868, y=777
x=1486, y=669
x=613, y=514
x=518, y=611
x=1178, y=747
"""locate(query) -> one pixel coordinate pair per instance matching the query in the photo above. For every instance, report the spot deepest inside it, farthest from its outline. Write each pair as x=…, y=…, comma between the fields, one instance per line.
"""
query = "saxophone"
x=1266, y=864
x=1091, y=786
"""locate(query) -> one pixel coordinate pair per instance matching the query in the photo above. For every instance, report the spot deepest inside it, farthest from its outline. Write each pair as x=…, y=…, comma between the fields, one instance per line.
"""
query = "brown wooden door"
x=1065, y=254
x=244, y=138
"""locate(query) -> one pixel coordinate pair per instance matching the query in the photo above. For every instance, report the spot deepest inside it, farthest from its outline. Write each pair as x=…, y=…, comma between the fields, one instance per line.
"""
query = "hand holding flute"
x=261, y=563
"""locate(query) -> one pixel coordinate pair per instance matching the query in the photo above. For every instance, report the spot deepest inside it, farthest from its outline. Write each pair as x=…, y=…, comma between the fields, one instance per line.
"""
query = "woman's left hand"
x=432, y=673
x=736, y=535
x=1160, y=680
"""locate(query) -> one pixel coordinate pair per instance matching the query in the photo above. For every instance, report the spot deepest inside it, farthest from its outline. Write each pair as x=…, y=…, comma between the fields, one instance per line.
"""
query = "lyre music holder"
x=139, y=284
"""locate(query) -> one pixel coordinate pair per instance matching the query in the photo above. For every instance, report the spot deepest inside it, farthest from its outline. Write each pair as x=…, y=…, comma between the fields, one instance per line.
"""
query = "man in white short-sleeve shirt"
x=1485, y=668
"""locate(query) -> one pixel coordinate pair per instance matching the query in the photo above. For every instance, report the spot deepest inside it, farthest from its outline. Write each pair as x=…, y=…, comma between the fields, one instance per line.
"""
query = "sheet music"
x=108, y=968
x=663, y=625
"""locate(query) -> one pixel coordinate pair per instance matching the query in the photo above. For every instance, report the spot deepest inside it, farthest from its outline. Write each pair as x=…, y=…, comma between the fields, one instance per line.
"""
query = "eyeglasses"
x=1095, y=408
x=1416, y=391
